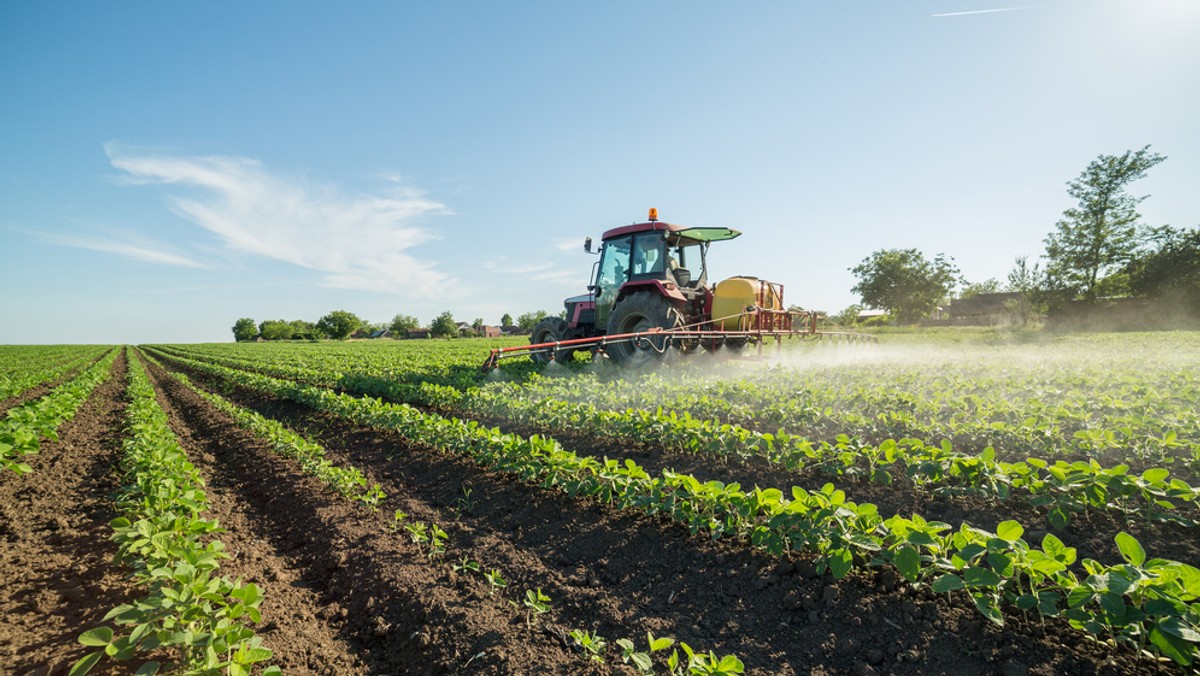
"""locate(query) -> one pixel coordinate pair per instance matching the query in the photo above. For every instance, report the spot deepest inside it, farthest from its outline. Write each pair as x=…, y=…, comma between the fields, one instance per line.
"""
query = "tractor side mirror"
x=587, y=245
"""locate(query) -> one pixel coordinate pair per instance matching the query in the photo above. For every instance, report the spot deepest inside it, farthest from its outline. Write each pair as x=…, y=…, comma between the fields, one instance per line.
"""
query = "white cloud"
x=137, y=250
x=359, y=241
x=984, y=11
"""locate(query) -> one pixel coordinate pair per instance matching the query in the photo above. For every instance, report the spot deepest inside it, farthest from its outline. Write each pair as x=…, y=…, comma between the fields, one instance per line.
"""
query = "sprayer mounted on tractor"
x=650, y=295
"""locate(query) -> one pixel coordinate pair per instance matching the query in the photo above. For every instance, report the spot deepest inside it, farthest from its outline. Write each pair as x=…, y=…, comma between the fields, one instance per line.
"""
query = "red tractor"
x=650, y=293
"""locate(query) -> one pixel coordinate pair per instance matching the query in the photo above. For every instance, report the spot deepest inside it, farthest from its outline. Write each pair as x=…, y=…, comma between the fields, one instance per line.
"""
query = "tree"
x=1101, y=232
x=303, y=330
x=339, y=324
x=849, y=316
x=1171, y=270
x=444, y=326
x=402, y=324
x=1029, y=285
x=530, y=319
x=904, y=283
x=245, y=330
x=506, y=320
x=275, y=329
x=969, y=290
x=477, y=326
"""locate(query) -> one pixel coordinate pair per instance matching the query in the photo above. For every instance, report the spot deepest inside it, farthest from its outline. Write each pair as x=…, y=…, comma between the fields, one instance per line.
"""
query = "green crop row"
x=347, y=481
x=1150, y=604
x=23, y=367
x=1063, y=488
x=189, y=612
x=24, y=427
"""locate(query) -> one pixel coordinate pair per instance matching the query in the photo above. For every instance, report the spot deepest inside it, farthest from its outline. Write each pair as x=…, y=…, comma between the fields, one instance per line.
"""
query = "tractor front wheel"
x=549, y=330
x=637, y=313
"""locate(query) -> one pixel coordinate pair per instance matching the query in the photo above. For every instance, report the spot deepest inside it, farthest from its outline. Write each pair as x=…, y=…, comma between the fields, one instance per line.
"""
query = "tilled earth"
x=345, y=593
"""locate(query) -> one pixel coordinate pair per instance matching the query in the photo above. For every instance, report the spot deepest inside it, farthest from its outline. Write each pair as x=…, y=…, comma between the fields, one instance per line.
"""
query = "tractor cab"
x=668, y=259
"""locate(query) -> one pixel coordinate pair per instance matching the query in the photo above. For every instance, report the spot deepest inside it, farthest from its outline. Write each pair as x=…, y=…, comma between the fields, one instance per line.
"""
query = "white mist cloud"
x=359, y=241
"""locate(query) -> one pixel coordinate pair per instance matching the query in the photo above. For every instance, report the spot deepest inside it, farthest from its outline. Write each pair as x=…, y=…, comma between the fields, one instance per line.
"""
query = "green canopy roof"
x=707, y=234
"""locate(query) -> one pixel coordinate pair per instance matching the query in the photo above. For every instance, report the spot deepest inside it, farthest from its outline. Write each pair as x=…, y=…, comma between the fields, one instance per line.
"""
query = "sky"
x=168, y=168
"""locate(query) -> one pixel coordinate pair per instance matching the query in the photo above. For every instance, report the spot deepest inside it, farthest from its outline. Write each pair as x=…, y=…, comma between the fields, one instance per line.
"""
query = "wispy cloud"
x=122, y=244
x=358, y=241
x=985, y=11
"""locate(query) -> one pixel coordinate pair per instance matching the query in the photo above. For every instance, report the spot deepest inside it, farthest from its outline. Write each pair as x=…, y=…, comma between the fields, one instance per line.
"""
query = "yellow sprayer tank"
x=732, y=296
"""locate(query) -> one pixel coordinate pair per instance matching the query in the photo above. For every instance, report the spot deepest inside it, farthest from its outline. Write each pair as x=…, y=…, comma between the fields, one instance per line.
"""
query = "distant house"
x=420, y=333
x=382, y=333
x=490, y=332
x=512, y=330
x=985, y=309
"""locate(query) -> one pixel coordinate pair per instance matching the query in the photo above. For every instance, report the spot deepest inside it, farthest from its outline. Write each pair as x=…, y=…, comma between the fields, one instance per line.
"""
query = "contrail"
x=984, y=11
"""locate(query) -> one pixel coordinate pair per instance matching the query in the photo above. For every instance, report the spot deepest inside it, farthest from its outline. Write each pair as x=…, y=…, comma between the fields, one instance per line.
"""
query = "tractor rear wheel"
x=549, y=330
x=637, y=313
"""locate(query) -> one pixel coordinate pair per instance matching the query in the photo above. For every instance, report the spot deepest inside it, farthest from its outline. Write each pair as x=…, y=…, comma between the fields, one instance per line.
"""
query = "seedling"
x=591, y=643
x=466, y=565
x=398, y=520
x=437, y=541
x=466, y=503
x=495, y=580
x=537, y=603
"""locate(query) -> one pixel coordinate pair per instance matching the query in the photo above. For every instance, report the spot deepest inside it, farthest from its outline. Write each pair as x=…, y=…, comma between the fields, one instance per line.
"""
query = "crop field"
x=948, y=502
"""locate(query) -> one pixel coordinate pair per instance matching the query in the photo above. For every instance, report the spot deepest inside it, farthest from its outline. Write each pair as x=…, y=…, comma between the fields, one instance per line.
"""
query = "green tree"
x=444, y=326
x=275, y=329
x=477, y=325
x=989, y=286
x=506, y=320
x=904, y=282
x=1171, y=269
x=1101, y=232
x=1028, y=282
x=303, y=330
x=402, y=324
x=530, y=319
x=339, y=324
x=244, y=330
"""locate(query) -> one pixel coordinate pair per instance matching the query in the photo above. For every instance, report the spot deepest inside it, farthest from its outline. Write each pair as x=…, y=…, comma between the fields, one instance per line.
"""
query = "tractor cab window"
x=614, y=264
x=648, y=254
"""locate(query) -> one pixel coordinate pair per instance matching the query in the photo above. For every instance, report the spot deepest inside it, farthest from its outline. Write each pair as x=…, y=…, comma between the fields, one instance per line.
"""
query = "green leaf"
x=147, y=669
x=908, y=562
x=1130, y=548
x=85, y=664
x=1172, y=646
x=980, y=577
x=100, y=636
x=1059, y=518
x=1010, y=531
x=947, y=583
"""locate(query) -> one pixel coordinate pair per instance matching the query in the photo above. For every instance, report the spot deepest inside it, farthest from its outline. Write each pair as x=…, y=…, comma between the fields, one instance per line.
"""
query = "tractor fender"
x=655, y=286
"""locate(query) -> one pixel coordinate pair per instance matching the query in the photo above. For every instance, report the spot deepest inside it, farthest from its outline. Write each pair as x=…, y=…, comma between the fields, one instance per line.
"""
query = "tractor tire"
x=642, y=312
x=549, y=330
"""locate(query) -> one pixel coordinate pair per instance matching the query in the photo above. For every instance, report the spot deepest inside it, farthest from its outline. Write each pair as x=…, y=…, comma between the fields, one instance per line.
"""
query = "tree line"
x=1098, y=249
x=342, y=324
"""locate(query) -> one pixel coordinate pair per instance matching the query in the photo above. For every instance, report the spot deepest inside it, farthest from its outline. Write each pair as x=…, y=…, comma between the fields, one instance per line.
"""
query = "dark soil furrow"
x=630, y=573
x=55, y=552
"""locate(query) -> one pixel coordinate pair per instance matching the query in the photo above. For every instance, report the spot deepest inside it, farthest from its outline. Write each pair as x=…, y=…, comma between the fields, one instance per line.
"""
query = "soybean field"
x=940, y=502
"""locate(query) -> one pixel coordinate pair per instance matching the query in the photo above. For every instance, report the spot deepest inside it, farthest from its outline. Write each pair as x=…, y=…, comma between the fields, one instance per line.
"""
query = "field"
x=952, y=502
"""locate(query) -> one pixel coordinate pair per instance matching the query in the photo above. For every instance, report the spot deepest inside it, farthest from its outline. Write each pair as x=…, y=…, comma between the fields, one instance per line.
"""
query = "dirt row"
x=620, y=574
x=55, y=552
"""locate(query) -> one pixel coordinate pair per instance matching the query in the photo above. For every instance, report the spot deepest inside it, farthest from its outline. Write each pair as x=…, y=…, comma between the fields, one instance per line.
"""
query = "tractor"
x=649, y=294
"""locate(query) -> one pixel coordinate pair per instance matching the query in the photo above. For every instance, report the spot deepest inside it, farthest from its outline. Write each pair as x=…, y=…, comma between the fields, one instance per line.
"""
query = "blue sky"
x=166, y=168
